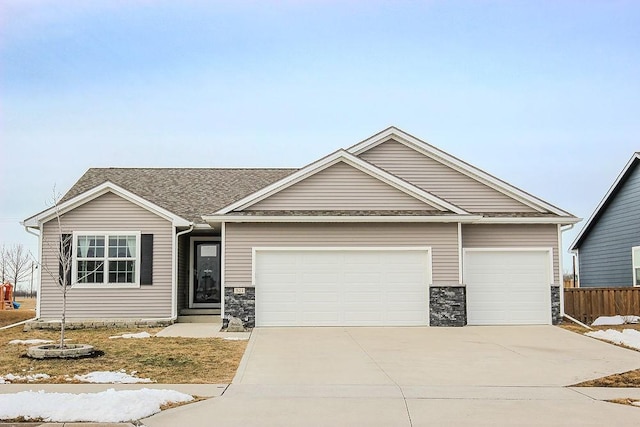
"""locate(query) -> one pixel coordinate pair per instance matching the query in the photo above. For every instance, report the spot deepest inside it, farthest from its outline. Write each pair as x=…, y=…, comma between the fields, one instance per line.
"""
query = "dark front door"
x=205, y=275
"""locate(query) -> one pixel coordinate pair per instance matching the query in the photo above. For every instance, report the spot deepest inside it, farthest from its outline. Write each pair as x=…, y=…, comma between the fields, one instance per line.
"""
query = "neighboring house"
x=391, y=231
x=608, y=246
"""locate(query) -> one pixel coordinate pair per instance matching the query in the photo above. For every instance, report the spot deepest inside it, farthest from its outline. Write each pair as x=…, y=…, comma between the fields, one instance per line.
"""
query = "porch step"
x=194, y=318
x=199, y=311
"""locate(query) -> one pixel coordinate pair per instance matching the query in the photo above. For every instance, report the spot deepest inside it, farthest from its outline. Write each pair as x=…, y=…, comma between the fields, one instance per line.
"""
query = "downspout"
x=560, y=251
x=174, y=299
x=38, y=290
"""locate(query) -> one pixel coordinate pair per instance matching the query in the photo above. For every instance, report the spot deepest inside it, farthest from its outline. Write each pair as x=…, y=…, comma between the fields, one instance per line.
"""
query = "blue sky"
x=543, y=94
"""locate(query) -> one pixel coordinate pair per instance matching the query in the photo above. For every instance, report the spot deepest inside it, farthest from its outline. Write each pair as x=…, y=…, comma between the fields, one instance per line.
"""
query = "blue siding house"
x=608, y=247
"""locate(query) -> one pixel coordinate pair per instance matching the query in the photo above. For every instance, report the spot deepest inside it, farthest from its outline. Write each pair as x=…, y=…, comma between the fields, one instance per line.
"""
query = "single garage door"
x=339, y=287
x=508, y=287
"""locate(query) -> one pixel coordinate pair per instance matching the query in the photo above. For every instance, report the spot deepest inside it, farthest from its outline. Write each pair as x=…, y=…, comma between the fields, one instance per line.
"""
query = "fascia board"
x=456, y=164
x=530, y=220
x=322, y=218
x=98, y=191
x=587, y=225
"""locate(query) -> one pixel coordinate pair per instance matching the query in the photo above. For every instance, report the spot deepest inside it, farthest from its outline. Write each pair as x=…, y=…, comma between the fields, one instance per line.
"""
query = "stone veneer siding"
x=242, y=306
x=556, y=317
x=447, y=306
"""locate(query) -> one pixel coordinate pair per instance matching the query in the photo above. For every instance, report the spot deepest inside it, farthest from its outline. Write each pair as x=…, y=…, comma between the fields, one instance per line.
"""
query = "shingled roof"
x=187, y=192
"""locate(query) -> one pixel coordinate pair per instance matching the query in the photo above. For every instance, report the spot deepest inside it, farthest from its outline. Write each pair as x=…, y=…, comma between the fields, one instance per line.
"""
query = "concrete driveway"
x=414, y=377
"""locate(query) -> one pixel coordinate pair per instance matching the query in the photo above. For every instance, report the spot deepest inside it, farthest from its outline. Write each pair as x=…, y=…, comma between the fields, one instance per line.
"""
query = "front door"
x=204, y=285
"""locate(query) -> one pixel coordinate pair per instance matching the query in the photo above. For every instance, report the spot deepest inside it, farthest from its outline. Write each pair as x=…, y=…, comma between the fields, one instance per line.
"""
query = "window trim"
x=105, y=284
x=635, y=259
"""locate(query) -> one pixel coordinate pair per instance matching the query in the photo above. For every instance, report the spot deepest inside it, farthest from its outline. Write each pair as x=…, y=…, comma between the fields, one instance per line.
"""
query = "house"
x=608, y=246
x=391, y=231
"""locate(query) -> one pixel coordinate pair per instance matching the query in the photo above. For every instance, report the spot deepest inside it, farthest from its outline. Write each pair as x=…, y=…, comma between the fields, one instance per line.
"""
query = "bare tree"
x=18, y=264
x=61, y=246
x=3, y=263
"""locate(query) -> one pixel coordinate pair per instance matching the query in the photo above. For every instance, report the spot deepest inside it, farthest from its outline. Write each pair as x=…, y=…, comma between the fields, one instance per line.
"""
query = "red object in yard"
x=6, y=296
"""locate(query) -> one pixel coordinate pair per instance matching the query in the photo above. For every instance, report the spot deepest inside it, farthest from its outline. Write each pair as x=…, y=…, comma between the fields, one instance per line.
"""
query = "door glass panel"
x=206, y=272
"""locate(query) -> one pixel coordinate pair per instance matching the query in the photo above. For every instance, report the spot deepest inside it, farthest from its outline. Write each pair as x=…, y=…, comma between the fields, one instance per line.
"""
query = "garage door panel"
x=342, y=287
x=508, y=287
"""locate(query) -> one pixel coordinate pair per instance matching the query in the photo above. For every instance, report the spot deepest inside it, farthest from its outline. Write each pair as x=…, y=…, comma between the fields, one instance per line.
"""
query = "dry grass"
x=625, y=401
x=25, y=312
x=625, y=379
x=164, y=360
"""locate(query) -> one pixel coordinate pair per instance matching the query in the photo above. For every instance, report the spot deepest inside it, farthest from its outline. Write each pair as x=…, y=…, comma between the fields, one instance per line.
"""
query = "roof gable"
x=107, y=187
x=619, y=183
x=456, y=164
x=342, y=156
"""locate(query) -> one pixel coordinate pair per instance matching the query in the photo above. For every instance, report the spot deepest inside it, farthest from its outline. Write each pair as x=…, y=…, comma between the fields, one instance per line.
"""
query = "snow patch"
x=108, y=406
x=10, y=378
x=236, y=338
x=628, y=337
x=104, y=377
x=138, y=335
x=30, y=342
x=615, y=320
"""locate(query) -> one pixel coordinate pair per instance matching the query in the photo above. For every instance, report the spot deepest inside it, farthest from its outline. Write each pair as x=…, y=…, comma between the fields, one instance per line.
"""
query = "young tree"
x=3, y=264
x=61, y=246
x=18, y=264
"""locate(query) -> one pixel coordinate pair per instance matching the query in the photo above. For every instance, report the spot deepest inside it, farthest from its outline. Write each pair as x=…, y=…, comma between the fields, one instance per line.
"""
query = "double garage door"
x=342, y=287
x=390, y=287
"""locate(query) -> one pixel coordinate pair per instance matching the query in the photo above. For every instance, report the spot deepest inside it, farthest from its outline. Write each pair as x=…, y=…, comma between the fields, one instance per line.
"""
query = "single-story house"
x=608, y=246
x=391, y=231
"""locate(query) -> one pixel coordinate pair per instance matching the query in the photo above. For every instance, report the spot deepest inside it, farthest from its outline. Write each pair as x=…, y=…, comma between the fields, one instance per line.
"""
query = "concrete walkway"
x=417, y=376
x=200, y=330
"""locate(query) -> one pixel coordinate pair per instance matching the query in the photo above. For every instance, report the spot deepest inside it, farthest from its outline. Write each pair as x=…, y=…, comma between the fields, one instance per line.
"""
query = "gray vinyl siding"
x=240, y=238
x=514, y=236
x=340, y=187
x=605, y=253
x=109, y=212
x=440, y=179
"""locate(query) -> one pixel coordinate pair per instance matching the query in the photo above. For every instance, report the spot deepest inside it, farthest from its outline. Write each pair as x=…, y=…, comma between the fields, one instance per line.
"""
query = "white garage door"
x=336, y=287
x=508, y=287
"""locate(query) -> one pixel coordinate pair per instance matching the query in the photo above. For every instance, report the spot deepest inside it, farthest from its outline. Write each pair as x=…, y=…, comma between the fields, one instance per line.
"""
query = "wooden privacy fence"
x=587, y=304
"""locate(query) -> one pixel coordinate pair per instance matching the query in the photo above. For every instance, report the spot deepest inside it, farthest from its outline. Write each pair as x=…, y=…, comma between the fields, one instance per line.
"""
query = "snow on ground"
x=30, y=342
x=628, y=337
x=107, y=406
x=9, y=378
x=615, y=320
x=236, y=338
x=120, y=377
x=138, y=335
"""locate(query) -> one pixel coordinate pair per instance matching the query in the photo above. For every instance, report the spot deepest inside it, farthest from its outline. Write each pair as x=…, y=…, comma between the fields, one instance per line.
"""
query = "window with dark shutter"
x=146, y=259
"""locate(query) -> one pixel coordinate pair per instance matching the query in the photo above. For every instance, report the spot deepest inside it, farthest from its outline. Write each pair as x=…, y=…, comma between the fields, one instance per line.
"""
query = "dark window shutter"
x=146, y=259
x=65, y=252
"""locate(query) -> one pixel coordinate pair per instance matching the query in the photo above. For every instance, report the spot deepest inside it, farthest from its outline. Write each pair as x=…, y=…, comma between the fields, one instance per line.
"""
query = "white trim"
x=39, y=275
x=105, y=284
x=427, y=249
x=577, y=255
x=460, y=262
x=633, y=264
x=560, y=270
x=456, y=164
x=190, y=302
x=96, y=192
x=361, y=165
x=339, y=218
x=522, y=249
x=587, y=225
x=563, y=220
x=223, y=253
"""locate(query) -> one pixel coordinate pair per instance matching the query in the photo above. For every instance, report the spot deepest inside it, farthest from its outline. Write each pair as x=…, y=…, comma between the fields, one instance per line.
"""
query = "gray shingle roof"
x=187, y=192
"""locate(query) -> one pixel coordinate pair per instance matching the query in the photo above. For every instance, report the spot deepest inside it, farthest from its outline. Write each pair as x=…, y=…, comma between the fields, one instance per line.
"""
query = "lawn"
x=26, y=311
x=164, y=360
x=625, y=379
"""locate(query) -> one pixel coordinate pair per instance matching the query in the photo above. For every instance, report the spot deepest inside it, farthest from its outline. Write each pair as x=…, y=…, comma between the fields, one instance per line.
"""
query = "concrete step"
x=199, y=311
x=194, y=318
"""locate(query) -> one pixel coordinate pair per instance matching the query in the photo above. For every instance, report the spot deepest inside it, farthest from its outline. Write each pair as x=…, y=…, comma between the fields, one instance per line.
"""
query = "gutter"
x=174, y=288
